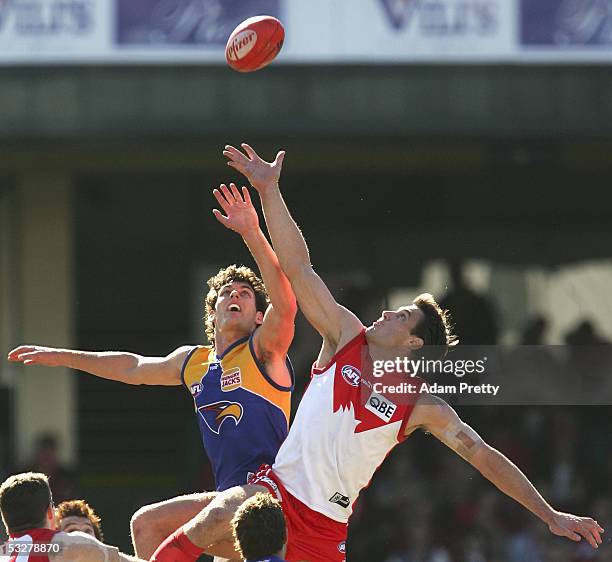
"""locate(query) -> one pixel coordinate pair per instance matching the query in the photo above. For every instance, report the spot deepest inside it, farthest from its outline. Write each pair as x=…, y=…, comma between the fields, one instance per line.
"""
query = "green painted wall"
x=201, y=101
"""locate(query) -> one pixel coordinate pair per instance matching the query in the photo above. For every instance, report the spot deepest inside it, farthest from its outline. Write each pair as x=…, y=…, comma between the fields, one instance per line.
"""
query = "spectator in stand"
x=46, y=460
x=473, y=315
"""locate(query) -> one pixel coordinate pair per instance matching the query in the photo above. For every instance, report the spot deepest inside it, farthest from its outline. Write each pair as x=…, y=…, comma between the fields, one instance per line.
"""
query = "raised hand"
x=574, y=527
x=240, y=215
x=36, y=355
x=261, y=174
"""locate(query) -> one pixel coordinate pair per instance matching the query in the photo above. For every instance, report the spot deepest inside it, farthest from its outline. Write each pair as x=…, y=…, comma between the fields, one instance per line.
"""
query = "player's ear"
x=415, y=342
x=259, y=316
x=52, y=522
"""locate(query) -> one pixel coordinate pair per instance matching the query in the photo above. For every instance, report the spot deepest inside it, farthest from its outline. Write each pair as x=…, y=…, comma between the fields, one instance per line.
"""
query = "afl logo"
x=351, y=375
x=342, y=547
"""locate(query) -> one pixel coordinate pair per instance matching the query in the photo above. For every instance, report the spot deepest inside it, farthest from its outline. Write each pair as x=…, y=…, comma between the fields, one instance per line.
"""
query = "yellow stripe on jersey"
x=239, y=370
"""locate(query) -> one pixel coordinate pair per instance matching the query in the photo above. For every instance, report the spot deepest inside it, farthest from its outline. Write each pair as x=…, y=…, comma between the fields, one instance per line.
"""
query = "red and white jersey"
x=30, y=546
x=341, y=434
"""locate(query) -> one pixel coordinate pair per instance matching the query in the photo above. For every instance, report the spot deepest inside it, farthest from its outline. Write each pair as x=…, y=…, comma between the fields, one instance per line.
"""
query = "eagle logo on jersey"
x=216, y=413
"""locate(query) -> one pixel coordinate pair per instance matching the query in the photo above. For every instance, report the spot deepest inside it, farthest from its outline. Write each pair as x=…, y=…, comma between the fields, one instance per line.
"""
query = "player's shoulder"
x=429, y=410
x=350, y=325
x=351, y=339
x=182, y=351
x=72, y=538
x=181, y=355
x=70, y=543
x=352, y=331
x=350, y=328
x=77, y=545
x=176, y=361
x=343, y=329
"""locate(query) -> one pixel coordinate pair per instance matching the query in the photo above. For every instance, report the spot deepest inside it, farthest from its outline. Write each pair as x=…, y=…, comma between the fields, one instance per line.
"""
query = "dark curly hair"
x=259, y=527
x=229, y=275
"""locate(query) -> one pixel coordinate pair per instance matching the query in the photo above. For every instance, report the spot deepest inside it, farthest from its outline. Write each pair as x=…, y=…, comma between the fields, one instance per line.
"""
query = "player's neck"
x=223, y=340
x=46, y=526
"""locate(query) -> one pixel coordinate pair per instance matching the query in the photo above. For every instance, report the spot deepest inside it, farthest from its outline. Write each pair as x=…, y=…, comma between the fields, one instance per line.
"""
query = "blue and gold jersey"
x=243, y=414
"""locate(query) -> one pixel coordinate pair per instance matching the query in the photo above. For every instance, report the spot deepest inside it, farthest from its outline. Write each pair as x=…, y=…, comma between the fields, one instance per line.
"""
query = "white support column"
x=44, y=397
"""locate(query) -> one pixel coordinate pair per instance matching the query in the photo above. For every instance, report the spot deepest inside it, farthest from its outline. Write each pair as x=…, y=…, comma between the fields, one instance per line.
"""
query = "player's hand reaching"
x=575, y=528
x=261, y=174
x=240, y=215
x=36, y=355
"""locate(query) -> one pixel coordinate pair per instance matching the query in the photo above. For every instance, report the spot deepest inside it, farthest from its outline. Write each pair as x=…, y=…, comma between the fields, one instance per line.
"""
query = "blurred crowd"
x=62, y=480
x=428, y=505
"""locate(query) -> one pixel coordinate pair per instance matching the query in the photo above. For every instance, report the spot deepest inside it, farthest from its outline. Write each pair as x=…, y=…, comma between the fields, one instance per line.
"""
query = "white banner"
x=400, y=30
x=317, y=31
x=48, y=31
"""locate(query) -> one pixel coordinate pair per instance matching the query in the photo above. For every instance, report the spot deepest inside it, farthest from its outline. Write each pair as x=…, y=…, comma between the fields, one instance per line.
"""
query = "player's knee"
x=142, y=523
x=219, y=517
x=137, y=526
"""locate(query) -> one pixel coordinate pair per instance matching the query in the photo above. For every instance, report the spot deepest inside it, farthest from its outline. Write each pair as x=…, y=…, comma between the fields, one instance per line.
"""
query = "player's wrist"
x=253, y=236
x=64, y=358
x=264, y=188
x=549, y=515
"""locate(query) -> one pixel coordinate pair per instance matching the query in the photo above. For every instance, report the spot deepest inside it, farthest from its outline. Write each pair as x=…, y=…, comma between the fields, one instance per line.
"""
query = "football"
x=254, y=43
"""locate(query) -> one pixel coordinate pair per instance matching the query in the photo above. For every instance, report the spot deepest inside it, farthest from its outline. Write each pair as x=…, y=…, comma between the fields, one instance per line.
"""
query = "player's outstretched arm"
x=81, y=547
x=434, y=415
x=332, y=321
x=113, y=365
x=276, y=333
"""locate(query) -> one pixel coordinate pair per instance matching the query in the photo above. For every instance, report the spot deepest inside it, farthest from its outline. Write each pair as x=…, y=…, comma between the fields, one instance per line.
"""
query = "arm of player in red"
x=435, y=416
x=315, y=300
